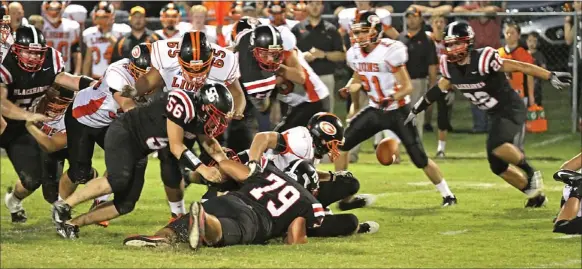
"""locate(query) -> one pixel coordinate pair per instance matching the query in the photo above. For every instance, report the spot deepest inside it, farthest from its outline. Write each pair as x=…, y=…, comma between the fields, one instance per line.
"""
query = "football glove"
x=561, y=80
x=254, y=167
x=410, y=119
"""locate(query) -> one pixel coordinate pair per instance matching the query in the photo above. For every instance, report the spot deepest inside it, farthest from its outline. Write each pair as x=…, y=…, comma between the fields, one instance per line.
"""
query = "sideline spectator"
x=539, y=60
x=322, y=46
x=569, y=35
x=432, y=7
x=139, y=34
x=16, y=12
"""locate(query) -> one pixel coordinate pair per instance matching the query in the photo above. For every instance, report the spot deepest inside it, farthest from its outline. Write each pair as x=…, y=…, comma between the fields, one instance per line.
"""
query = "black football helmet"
x=459, y=39
x=245, y=23
x=140, y=61
x=366, y=28
x=170, y=16
x=55, y=101
x=305, y=174
x=214, y=108
x=267, y=47
x=29, y=48
x=327, y=132
x=5, y=31
x=196, y=57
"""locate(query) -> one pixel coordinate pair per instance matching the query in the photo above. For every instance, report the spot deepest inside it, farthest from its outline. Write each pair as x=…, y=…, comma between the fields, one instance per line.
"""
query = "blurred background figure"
x=16, y=12
x=63, y=34
x=539, y=60
x=76, y=13
x=139, y=34
x=300, y=11
x=170, y=18
x=36, y=21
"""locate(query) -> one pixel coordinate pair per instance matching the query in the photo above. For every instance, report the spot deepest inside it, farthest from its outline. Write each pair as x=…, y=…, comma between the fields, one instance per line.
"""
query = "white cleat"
x=369, y=198
x=369, y=227
x=535, y=185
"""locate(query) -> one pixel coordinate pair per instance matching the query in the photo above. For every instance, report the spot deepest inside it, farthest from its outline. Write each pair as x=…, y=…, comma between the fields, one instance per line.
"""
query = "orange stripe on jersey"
x=119, y=46
x=89, y=108
x=287, y=147
x=309, y=88
x=357, y=16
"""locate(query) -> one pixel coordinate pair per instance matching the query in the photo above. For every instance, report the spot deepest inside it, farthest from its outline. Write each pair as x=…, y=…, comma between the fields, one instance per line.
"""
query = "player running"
x=379, y=64
x=480, y=75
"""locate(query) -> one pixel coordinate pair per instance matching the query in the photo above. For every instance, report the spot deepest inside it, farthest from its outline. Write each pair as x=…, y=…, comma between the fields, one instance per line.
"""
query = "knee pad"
x=351, y=184
x=50, y=192
x=498, y=167
x=418, y=156
x=29, y=183
x=81, y=174
x=170, y=172
x=124, y=206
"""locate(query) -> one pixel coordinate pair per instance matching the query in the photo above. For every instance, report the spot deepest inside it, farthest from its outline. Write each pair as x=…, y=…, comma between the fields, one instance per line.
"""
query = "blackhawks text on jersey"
x=100, y=47
x=480, y=80
x=278, y=198
x=27, y=89
x=164, y=57
x=64, y=37
x=376, y=70
x=95, y=106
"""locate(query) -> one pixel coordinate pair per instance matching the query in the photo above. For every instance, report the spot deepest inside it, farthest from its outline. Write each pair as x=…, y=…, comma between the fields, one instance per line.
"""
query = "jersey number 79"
x=287, y=195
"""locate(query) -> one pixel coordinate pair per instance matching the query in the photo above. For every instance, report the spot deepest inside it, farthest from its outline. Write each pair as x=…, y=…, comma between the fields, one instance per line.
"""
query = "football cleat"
x=537, y=201
x=535, y=185
x=449, y=201
x=61, y=212
x=146, y=241
x=68, y=231
x=359, y=201
x=440, y=154
x=196, y=225
x=174, y=217
x=368, y=227
x=17, y=212
x=104, y=223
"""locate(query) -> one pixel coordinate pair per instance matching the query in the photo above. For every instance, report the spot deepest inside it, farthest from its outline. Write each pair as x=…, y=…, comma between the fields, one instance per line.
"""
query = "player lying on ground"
x=379, y=64
x=323, y=134
x=480, y=75
x=569, y=220
x=334, y=187
x=137, y=133
x=269, y=204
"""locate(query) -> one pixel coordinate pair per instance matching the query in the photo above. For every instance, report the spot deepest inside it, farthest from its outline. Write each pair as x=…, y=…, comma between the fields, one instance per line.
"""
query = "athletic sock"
x=524, y=165
x=103, y=198
x=441, y=146
x=177, y=208
x=443, y=188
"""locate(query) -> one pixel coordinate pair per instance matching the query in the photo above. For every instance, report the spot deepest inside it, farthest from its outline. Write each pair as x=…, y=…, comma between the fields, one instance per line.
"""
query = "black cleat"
x=359, y=201
x=440, y=154
x=449, y=201
x=368, y=227
x=146, y=241
x=571, y=178
x=19, y=217
x=61, y=212
x=537, y=201
x=68, y=231
x=428, y=128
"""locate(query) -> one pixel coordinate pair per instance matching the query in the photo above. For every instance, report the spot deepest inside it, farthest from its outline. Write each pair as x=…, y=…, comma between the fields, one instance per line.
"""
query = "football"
x=386, y=151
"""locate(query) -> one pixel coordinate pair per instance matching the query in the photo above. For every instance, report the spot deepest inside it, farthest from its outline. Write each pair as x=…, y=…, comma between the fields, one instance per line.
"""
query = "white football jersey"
x=289, y=24
x=63, y=37
x=299, y=146
x=376, y=68
x=100, y=46
x=94, y=106
x=209, y=30
x=566, y=194
x=347, y=16
x=164, y=59
x=74, y=12
x=163, y=34
x=311, y=91
x=54, y=126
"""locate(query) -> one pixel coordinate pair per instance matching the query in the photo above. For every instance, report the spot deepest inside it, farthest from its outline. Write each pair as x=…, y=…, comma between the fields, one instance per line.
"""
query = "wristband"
x=85, y=82
x=189, y=160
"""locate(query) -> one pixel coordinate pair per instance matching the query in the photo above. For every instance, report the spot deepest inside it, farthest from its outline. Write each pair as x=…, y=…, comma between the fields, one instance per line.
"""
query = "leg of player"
x=573, y=164
x=173, y=184
x=2, y=124
x=569, y=220
x=443, y=123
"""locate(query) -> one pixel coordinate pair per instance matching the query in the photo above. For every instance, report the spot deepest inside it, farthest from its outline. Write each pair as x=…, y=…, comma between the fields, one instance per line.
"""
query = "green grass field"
x=489, y=227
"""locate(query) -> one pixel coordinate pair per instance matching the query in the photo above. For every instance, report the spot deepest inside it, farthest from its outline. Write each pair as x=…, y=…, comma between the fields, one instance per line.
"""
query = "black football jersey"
x=147, y=123
x=480, y=80
x=277, y=197
x=255, y=82
x=26, y=89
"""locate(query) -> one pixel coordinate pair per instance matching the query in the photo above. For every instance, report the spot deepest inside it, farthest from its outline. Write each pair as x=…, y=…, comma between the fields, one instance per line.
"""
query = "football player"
x=186, y=64
x=378, y=64
x=165, y=122
x=100, y=40
x=28, y=71
x=277, y=15
x=77, y=13
x=88, y=117
x=170, y=18
x=268, y=205
x=480, y=75
x=263, y=53
x=350, y=15
x=62, y=34
x=569, y=219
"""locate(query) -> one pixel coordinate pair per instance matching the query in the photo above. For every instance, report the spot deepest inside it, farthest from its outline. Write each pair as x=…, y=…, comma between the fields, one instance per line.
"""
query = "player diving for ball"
x=569, y=219
x=480, y=75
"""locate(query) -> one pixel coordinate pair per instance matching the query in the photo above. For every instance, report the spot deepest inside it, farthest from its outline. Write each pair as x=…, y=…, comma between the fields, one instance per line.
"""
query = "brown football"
x=386, y=151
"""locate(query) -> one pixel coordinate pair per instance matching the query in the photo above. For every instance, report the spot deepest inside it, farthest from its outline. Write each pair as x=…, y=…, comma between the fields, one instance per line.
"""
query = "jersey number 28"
x=481, y=99
x=287, y=195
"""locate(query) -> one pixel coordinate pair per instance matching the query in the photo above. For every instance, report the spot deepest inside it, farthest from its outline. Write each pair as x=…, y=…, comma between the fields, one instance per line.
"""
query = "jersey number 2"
x=481, y=99
x=287, y=196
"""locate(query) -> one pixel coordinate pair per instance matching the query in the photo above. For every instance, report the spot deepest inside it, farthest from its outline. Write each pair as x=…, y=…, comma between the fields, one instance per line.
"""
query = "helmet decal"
x=136, y=52
x=328, y=128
